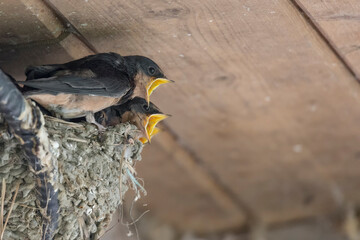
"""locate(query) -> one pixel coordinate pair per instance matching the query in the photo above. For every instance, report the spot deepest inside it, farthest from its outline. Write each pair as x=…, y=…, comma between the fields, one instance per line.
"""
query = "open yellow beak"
x=147, y=133
x=153, y=84
x=154, y=132
x=153, y=120
x=150, y=126
x=143, y=140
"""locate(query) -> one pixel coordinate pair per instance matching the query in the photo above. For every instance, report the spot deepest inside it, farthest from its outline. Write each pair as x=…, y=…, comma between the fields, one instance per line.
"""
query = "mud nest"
x=95, y=171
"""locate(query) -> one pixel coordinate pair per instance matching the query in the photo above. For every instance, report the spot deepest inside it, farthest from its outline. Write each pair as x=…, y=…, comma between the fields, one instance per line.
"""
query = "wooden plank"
x=260, y=98
x=339, y=22
x=30, y=34
x=14, y=60
x=74, y=47
x=22, y=23
x=174, y=196
x=198, y=173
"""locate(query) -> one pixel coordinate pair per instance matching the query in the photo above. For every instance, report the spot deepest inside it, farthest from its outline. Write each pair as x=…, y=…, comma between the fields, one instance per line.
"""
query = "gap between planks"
x=319, y=30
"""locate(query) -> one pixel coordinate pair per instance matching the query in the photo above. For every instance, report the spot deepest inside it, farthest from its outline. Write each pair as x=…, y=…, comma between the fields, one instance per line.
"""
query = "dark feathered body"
x=89, y=84
x=130, y=111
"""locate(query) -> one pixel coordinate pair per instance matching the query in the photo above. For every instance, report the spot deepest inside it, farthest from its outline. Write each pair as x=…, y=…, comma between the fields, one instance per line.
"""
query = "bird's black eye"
x=151, y=70
x=145, y=107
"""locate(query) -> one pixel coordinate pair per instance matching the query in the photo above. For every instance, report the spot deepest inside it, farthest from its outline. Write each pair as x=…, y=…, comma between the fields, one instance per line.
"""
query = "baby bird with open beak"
x=136, y=111
x=82, y=87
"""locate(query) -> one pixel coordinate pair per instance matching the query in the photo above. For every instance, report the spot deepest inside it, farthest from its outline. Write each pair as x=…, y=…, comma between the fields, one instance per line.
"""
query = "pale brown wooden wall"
x=265, y=107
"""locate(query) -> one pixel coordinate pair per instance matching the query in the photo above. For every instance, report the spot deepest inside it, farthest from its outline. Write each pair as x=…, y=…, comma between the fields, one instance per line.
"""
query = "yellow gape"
x=154, y=132
x=150, y=126
x=153, y=84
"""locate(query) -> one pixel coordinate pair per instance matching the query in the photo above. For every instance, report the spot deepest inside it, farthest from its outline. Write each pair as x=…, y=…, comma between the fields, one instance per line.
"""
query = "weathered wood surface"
x=339, y=22
x=175, y=197
x=260, y=100
x=23, y=36
x=31, y=34
x=20, y=23
x=16, y=60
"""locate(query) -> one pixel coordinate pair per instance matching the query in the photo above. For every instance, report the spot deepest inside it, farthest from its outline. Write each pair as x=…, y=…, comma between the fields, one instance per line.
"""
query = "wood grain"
x=259, y=97
x=30, y=34
x=22, y=23
x=174, y=196
x=14, y=60
x=339, y=22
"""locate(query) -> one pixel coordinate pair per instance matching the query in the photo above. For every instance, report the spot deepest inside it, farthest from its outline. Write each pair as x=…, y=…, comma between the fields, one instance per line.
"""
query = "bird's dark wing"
x=102, y=64
x=108, y=87
x=44, y=71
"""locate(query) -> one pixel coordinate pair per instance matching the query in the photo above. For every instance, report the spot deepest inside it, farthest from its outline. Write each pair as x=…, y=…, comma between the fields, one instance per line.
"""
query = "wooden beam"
x=74, y=47
x=338, y=22
x=49, y=39
x=200, y=174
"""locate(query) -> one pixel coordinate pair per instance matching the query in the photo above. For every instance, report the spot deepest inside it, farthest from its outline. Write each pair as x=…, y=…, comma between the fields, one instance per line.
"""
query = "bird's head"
x=145, y=117
x=148, y=76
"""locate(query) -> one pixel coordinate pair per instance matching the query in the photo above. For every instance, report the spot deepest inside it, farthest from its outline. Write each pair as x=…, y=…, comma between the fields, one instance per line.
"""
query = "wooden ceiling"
x=265, y=122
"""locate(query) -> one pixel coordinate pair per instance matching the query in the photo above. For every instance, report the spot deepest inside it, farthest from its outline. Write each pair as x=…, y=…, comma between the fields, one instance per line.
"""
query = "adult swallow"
x=136, y=111
x=90, y=84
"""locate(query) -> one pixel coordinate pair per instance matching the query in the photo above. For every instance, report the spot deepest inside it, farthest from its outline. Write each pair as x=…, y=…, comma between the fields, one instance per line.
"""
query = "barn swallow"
x=90, y=84
x=136, y=111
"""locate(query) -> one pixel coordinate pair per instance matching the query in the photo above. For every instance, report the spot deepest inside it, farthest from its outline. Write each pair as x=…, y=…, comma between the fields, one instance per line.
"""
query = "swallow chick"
x=82, y=87
x=136, y=111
